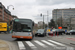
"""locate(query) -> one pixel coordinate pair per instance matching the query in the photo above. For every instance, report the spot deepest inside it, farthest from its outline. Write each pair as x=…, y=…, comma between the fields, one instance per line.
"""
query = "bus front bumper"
x=22, y=37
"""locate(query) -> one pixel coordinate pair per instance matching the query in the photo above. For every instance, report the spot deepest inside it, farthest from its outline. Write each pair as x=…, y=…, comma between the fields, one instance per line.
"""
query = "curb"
x=10, y=45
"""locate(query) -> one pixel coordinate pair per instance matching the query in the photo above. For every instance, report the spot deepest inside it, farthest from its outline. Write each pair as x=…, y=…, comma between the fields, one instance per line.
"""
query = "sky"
x=31, y=9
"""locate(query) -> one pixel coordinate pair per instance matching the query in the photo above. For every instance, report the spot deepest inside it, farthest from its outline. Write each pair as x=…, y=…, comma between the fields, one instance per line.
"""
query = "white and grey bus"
x=23, y=28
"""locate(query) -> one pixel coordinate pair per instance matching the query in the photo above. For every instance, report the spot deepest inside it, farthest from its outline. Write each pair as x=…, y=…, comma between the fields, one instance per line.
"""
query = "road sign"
x=59, y=27
x=48, y=30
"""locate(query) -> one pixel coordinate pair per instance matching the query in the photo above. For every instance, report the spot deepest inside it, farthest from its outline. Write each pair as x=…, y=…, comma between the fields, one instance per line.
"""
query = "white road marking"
x=30, y=44
x=48, y=43
x=41, y=44
x=57, y=43
x=21, y=45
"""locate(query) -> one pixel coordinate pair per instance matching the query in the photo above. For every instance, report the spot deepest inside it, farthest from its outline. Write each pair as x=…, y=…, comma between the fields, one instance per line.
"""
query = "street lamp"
x=8, y=16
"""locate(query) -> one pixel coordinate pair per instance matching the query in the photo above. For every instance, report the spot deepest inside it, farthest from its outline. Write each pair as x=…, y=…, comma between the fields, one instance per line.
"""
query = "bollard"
x=57, y=33
x=51, y=34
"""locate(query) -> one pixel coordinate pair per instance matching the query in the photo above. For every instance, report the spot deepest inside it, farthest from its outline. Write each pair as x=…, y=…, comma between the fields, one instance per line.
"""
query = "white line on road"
x=41, y=44
x=30, y=44
x=21, y=45
x=48, y=43
x=57, y=43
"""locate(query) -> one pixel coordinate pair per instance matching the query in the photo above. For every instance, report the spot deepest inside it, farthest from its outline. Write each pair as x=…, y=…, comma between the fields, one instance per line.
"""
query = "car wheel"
x=70, y=33
x=43, y=35
x=66, y=33
x=62, y=33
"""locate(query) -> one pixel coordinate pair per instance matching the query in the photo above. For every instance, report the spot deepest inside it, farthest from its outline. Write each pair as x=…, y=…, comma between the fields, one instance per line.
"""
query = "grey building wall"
x=65, y=16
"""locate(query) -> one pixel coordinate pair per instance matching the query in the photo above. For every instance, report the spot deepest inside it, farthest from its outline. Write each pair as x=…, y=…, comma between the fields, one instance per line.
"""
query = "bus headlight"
x=29, y=33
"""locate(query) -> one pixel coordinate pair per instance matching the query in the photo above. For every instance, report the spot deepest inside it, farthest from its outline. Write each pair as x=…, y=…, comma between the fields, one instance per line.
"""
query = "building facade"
x=5, y=15
x=64, y=17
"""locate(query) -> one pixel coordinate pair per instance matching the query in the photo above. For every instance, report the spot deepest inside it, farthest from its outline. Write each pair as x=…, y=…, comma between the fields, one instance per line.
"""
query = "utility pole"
x=43, y=21
x=8, y=15
x=47, y=20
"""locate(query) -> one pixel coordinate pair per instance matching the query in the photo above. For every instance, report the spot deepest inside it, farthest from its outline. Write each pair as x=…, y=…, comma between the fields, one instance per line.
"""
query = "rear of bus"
x=22, y=28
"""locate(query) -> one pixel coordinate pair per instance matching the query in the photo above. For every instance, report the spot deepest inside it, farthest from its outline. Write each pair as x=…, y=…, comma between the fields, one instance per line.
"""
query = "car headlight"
x=41, y=33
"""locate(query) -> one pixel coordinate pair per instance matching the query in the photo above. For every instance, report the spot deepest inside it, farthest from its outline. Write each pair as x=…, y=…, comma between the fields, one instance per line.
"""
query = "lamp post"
x=47, y=20
x=8, y=16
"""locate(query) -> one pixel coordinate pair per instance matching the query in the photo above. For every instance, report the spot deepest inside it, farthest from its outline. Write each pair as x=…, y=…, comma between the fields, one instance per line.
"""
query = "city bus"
x=22, y=28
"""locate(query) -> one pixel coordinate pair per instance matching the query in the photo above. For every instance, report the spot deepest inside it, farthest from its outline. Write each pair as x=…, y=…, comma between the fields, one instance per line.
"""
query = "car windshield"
x=58, y=30
x=72, y=30
x=40, y=30
x=55, y=30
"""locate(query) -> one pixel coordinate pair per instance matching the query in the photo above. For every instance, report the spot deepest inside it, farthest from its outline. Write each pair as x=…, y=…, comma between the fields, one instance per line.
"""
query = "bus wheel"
x=32, y=37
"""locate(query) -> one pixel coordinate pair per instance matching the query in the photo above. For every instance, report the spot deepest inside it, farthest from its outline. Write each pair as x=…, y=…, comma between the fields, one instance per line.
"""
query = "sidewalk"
x=5, y=45
x=64, y=39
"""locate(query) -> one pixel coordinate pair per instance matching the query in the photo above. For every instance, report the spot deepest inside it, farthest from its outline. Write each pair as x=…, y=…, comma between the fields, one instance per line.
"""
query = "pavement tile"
x=3, y=45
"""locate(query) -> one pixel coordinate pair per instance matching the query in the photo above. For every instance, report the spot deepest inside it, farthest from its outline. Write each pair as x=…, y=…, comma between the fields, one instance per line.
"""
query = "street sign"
x=3, y=26
x=59, y=27
x=48, y=30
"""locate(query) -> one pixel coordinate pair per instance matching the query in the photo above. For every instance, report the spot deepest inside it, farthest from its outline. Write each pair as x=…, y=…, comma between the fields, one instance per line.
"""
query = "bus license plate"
x=21, y=37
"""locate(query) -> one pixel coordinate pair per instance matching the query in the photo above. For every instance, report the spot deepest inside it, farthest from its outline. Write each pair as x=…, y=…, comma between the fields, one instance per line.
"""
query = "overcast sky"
x=32, y=9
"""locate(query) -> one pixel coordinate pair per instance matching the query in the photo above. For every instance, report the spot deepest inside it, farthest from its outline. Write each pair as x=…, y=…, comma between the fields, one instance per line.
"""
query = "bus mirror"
x=12, y=30
x=10, y=22
x=33, y=23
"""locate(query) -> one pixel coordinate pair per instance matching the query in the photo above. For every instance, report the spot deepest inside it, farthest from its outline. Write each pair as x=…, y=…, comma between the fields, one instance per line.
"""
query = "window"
x=0, y=11
x=0, y=15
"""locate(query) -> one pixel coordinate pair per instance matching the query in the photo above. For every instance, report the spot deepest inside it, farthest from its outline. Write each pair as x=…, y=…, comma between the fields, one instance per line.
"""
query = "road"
x=39, y=43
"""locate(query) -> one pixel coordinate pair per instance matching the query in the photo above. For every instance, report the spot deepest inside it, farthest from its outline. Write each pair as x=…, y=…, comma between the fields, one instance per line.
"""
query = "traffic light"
x=41, y=14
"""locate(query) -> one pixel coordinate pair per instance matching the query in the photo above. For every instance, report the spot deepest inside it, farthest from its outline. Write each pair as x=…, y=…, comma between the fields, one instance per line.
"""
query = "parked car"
x=40, y=32
x=70, y=32
x=56, y=31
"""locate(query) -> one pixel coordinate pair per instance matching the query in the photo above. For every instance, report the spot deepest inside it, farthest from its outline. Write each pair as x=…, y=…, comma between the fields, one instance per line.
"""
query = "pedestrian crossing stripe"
x=48, y=43
x=41, y=43
x=56, y=43
x=30, y=44
x=21, y=45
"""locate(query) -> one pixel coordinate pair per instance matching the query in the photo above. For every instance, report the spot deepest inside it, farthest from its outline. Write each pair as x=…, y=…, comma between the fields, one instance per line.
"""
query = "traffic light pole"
x=43, y=21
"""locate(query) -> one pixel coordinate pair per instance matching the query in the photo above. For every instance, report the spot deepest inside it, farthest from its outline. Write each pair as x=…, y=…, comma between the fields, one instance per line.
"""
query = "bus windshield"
x=22, y=26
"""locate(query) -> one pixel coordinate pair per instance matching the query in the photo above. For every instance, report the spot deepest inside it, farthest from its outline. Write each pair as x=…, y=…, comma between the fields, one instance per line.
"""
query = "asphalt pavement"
x=38, y=43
